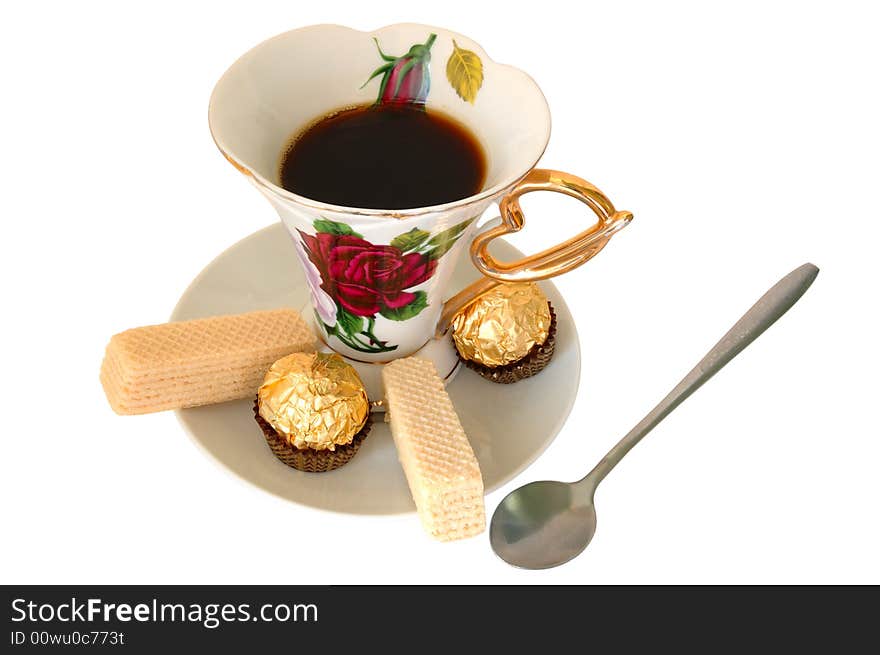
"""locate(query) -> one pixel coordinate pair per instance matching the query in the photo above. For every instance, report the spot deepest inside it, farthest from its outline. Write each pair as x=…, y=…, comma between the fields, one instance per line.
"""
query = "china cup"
x=379, y=279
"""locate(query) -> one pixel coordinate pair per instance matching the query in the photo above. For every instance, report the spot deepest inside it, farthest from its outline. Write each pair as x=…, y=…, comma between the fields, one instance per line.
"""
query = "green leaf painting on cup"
x=333, y=227
x=407, y=311
x=411, y=240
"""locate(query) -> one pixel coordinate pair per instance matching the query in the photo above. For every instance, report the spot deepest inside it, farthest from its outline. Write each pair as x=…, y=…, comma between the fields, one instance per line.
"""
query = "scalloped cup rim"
x=483, y=196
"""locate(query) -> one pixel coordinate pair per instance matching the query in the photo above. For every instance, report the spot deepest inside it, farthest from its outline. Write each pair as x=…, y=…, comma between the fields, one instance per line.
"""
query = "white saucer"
x=509, y=426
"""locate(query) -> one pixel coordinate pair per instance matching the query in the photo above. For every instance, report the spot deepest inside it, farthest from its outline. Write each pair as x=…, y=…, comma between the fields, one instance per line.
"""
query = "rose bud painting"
x=405, y=79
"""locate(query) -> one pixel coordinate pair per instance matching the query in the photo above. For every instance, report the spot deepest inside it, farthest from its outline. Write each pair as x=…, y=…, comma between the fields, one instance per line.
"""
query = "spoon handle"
x=773, y=304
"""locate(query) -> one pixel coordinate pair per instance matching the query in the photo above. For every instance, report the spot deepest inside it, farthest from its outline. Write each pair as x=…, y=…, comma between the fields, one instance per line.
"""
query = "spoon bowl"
x=542, y=524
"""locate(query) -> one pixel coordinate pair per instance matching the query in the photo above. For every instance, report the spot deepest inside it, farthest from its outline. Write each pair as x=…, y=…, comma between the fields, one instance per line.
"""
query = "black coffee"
x=384, y=157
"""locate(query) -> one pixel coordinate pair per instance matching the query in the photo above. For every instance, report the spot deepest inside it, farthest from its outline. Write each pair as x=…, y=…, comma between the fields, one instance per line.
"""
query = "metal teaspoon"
x=545, y=524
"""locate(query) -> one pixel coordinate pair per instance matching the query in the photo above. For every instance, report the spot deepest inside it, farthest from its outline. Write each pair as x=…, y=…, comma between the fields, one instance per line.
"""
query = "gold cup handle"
x=554, y=261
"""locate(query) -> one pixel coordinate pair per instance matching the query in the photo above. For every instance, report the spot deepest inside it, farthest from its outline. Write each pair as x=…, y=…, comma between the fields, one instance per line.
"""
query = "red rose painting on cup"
x=362, y=281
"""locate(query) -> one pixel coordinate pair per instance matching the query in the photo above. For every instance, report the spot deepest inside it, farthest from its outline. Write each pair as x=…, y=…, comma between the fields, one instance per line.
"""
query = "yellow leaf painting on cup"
x=464, y=70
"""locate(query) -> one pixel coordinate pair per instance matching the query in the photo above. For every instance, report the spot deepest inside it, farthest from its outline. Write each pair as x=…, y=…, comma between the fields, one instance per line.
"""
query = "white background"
x=745, y=140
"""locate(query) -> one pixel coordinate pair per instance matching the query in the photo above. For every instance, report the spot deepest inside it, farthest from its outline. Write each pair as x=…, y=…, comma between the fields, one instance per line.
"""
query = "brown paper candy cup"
x=307, y=459
x=536, y=359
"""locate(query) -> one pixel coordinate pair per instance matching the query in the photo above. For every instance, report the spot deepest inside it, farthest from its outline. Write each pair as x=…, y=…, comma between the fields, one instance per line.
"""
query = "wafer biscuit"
x=198, y=362
x=440, y=466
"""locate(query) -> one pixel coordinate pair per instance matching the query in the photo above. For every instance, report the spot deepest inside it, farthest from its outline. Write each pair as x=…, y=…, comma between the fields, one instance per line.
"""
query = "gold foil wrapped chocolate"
x=502, y=325
x=314, y=400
